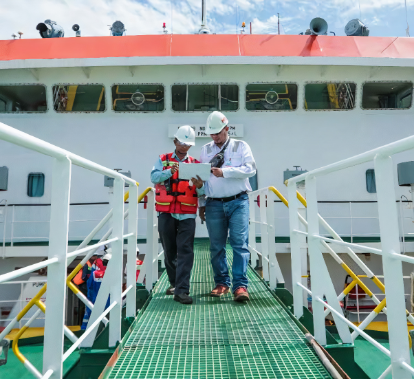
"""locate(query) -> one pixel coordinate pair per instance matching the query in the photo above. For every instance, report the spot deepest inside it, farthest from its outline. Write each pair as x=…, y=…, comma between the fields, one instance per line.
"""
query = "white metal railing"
x=271, y=268
x=392, y=259
x=58, y=257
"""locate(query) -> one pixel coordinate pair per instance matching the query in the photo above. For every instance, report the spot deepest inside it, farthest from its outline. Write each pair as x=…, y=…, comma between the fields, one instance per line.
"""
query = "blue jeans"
x=220, y=218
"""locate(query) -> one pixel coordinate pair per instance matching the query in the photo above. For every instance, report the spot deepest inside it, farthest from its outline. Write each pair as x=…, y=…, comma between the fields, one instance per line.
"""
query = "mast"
x=204, y=28
x=278, y=24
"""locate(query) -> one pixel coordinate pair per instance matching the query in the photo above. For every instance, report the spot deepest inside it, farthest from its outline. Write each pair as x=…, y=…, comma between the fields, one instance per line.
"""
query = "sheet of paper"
x=191, y=170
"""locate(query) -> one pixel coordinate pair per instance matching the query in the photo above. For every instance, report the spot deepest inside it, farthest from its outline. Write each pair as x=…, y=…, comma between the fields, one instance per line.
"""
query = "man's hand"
x=202, y=213
x=174, y=168
x=197, y=182
x=217, y=172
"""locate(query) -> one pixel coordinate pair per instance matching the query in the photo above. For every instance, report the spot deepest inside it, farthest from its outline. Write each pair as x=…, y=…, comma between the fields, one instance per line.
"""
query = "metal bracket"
x=279, y=69
x=374, y=71
x=34, y=72
x=87, y=71
x=132, y=70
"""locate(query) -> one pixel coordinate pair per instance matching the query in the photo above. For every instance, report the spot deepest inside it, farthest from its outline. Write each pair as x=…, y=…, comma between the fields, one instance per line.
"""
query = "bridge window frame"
x=386, y=81
x=332, y=109
x=81, y=84
x=21, y=85
x=138, y=84
x=272, y=110
x=219, y=108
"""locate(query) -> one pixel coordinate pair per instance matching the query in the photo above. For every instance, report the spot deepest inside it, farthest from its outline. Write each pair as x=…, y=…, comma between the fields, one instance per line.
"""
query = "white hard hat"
x=216, y=121
x=107, y=256
x=186, y=134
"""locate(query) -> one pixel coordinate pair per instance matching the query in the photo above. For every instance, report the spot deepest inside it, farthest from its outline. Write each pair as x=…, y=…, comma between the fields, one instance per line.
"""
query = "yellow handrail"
x=35, y=300
x=126, y=196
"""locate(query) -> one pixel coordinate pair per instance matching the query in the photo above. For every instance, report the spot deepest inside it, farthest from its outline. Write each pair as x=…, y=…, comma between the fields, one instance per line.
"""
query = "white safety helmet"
x=216, y=121
x=107, y=256
x=186, y=134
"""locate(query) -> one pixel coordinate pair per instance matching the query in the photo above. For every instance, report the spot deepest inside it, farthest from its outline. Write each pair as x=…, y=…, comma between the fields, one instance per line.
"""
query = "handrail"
x=140, y=197
x=383, y=151
x=19, y=138
x=356, y=279
x=59, y=258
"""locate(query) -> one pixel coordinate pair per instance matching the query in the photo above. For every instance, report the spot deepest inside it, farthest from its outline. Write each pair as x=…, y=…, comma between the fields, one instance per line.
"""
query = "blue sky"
x=383, y=17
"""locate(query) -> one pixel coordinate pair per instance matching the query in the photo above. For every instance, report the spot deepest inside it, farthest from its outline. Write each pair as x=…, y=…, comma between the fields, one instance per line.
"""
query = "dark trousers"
x=177, y=238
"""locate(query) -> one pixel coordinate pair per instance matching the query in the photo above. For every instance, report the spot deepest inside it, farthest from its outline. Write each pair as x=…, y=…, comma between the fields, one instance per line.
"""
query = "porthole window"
x=79, y=98
x=36, y=184
x=23, y=98
x=138, y=98
x=332, y=96
x=271, y=97
x=205, y=97
x=387, y=95
x=370, y=180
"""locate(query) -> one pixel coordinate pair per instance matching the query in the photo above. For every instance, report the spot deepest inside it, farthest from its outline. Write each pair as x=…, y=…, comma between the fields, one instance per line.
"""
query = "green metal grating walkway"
x=216, y=337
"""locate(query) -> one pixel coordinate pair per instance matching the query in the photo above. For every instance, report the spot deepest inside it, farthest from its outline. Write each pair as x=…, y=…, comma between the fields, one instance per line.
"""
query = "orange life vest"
x=181, y=197
x=78, y=278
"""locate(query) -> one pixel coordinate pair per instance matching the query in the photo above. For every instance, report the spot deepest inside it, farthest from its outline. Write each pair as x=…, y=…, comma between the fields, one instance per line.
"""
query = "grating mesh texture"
x=216, y=337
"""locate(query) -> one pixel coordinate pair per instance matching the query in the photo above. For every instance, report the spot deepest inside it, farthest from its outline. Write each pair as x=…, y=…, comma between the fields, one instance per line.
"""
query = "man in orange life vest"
x=176, y=200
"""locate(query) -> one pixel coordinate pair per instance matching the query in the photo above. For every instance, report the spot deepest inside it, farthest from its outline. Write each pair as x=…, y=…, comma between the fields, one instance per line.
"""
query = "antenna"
x=204, y=28
x=278, y=24
x=251, y=32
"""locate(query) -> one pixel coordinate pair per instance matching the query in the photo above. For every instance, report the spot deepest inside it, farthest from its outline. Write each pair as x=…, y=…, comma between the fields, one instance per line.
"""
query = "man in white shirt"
x=227, y=205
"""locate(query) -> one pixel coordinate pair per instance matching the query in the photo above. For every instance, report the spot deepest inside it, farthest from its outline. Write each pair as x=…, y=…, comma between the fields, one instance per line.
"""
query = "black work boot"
x=170, y=290
x=183, y=298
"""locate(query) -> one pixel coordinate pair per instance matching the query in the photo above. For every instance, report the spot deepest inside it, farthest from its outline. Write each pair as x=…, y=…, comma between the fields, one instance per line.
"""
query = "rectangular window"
x=36, y=184
x=387, y=95
x=271, y=97
x=79, y=98
x=23, y=98
x=138, y=98
x=330, y=96
x=205, y=97
x=370, y=179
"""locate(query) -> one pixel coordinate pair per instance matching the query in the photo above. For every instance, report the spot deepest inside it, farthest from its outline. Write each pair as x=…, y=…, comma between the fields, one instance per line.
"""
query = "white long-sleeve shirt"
x=238, y=167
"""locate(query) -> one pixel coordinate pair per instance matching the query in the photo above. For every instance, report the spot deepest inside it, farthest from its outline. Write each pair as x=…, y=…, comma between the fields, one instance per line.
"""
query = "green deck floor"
x=216, y=337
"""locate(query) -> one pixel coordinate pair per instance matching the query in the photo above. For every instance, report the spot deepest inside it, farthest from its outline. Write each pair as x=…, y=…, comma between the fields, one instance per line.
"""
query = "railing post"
x=393, y=274
x=56, y=273
x=295, y=252
x=252, y=230
x=320, y=278
x=275, y=273
x=115, y=286
x=314, y=251
x=264, y=234
x=132, y=251
x=152, y=251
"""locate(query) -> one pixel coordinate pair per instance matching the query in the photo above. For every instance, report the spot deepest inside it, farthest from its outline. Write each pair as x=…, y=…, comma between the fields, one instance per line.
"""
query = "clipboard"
x=187, y=171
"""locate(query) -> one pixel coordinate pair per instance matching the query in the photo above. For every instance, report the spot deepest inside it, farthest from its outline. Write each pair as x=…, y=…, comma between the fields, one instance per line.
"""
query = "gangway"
x=214, y=337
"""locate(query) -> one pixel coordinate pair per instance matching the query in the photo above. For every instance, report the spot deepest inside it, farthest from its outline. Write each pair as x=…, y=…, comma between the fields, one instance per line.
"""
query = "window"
x=271, y=97
x=4, y=178
x=387, y=95
x=79, y=98
x=205, y=97
x=330, y=96
x=36, y=184
x=23, y=98
x=370, y=179
x=138, y=98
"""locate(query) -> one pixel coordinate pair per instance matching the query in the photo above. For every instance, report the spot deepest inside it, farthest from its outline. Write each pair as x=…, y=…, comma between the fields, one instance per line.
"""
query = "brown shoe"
x=241, y=294
x=220, y=289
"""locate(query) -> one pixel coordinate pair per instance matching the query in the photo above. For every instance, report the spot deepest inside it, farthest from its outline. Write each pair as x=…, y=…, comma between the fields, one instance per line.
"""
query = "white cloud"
x=386, y=17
